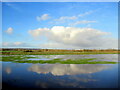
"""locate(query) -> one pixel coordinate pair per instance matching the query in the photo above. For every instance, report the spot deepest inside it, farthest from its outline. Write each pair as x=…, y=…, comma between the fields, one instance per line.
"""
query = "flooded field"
x=104, y=57
x=36, y=75
x=63, y=59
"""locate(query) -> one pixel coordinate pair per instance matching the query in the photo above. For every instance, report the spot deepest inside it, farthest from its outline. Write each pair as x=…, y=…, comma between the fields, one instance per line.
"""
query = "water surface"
x=60, y=75
x=28, y=75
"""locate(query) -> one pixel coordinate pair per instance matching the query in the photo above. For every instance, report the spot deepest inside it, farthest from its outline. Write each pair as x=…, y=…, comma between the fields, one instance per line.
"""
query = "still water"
x=28, y=75
x=99, y=57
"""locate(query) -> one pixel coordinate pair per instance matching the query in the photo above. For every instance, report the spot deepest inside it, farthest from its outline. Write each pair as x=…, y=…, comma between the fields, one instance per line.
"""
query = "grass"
x=52, y=53
x=19, y=59
x=16, y=58
x=26, y=51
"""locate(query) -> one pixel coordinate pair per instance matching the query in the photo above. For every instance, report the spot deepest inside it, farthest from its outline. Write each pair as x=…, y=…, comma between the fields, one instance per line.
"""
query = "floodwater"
x=28, y=75
x=99, y=57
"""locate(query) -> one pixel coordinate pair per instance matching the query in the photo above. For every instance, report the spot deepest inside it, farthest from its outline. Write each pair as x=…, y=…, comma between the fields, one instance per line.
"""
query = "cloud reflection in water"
x=67, y=69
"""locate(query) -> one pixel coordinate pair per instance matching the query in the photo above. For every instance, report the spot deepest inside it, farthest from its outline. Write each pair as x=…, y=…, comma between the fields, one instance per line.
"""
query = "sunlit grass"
x=24, y=59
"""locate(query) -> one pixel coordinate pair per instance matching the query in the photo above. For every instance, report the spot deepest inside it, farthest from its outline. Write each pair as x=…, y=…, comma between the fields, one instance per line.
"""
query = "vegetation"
x=23, y=58
x=20, y=59
x=20, y=51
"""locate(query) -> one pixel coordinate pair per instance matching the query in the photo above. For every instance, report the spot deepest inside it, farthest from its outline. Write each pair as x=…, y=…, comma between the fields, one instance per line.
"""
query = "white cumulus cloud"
x=38, y=32
x=43, y=17
x=76, y=37
x=9, y=30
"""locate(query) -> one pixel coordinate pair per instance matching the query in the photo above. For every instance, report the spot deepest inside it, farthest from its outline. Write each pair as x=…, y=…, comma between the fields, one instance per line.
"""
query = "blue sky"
x=22, y=20
x=60, y=0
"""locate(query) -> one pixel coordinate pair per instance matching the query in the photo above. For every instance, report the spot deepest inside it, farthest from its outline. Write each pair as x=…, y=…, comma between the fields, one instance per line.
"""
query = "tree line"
x=57, y=50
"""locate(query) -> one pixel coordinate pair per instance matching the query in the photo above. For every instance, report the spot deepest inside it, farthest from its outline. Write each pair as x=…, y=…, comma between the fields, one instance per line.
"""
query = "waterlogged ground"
x=63, y=59
x=35, y=75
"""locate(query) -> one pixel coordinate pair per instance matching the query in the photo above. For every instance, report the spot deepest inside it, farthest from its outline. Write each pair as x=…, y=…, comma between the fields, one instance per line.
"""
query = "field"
x=56, y=51
x=23, y=58
x=51, y=68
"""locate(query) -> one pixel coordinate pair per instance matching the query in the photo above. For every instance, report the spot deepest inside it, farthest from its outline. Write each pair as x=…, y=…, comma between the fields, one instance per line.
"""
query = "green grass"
x=81, y=61
x=19, y=59
x=14, y=58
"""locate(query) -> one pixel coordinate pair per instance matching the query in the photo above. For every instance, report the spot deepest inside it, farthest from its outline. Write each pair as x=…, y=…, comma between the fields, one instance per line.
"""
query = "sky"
x=60, y=25
x=60, y=0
